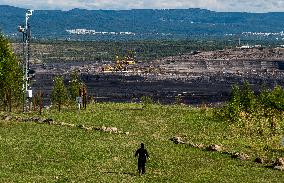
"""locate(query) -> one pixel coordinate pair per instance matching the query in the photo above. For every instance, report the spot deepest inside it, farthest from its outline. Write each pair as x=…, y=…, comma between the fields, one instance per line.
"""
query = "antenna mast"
x=26, y=30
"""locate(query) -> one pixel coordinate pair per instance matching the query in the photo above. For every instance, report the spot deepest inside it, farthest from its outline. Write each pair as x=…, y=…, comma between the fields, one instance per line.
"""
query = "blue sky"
x=217, y=5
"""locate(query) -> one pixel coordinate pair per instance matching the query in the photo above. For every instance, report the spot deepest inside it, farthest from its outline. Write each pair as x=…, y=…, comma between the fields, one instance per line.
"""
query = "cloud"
x=217, y=5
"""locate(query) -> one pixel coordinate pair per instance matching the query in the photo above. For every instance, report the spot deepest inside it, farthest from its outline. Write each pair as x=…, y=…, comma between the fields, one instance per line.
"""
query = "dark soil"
x=193, y=82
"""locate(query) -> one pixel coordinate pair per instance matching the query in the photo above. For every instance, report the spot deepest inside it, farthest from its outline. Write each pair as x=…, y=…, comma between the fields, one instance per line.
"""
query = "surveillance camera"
x=29, y=12
x=21, y=29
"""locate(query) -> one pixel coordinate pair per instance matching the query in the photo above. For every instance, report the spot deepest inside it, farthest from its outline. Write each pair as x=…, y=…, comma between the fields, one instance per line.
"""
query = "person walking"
x=142, y=158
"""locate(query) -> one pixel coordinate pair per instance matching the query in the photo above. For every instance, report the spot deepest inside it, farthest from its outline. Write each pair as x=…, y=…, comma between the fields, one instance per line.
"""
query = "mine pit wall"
x=233, y=66
x=197, y=82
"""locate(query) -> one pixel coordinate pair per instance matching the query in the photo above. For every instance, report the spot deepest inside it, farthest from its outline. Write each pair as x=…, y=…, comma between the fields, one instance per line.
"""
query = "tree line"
x=147, y=50
x=12, y=79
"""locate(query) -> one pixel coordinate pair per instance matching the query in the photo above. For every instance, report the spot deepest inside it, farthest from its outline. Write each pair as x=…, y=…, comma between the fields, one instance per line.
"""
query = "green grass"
x=31, y=152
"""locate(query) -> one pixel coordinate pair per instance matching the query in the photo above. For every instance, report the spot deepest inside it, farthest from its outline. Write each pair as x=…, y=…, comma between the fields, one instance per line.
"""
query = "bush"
x=178, y=99
x=59, y=94
x=261, y=115
x=146, y=100
x=74, y=86
x=242, y=100
x=247, y=98
x=11, y=76
x=273, y=99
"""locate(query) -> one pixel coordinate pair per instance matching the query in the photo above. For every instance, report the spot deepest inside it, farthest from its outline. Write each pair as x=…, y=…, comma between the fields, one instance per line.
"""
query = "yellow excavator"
x=121, y=64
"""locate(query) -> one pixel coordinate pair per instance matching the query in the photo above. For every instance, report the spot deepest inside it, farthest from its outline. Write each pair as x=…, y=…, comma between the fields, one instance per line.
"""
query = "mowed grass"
x=33, y=152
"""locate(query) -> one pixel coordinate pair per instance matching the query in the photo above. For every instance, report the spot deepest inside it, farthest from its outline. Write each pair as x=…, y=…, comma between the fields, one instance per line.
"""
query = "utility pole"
x=26, y=30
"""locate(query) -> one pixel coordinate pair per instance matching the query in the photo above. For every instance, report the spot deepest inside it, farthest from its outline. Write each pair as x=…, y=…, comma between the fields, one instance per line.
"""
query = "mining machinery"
x=121, y=64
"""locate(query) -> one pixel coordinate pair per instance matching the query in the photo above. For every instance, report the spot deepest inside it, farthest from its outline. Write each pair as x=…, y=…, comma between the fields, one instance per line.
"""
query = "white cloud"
x=217, y=5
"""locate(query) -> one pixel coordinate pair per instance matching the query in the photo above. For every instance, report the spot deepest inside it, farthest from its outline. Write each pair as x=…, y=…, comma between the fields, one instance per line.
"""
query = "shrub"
x=74, y=85
x=178, y=99
x=261, y=115
x=146, y=100
x=273, y=99
x=247, y=98
x=59, y=94
x=11, y=76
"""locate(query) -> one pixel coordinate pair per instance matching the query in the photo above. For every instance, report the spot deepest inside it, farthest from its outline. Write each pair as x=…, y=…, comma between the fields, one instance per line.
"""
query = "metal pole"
x=24, y=95
x=26, y=61
x=26, y=58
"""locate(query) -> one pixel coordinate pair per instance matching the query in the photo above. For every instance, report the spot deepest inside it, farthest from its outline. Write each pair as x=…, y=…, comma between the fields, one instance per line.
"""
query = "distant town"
x=275, y=35
x=94, y=32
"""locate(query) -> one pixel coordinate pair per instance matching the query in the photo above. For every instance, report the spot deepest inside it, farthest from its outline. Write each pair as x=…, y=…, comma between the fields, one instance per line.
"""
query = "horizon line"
x=100, y=9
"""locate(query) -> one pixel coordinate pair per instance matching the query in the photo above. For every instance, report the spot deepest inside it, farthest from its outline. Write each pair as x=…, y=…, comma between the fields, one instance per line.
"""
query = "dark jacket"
x=142, y=154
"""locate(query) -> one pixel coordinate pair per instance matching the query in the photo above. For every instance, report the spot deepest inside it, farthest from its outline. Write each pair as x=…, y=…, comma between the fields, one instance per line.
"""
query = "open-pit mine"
x=194, y=78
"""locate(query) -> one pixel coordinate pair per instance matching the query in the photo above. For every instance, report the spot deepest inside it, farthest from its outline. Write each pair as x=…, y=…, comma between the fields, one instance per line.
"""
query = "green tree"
x=11, y=76
x=248, y=99
x=59, y=94
x=75, y=85
x=273, y=99
x=234, y=106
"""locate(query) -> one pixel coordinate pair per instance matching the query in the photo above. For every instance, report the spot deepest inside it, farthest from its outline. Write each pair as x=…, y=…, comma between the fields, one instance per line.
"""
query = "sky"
x=215, y=5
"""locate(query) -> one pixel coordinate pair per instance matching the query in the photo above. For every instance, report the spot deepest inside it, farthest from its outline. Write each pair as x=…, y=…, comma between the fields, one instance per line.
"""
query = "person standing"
x=142, y=158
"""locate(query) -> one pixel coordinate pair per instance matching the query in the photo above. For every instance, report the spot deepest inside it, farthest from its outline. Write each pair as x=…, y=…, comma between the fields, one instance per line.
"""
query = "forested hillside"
x=144, y=23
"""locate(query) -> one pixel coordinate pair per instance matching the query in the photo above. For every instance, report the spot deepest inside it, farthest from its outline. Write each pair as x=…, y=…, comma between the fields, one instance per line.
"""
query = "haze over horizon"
x=258, y=6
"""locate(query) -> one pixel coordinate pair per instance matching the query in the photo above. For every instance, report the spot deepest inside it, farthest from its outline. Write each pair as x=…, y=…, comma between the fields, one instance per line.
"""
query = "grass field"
x=33, y=152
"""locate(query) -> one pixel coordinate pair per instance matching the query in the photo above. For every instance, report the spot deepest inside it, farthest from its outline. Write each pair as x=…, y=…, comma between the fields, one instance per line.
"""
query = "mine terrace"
x=195, y=78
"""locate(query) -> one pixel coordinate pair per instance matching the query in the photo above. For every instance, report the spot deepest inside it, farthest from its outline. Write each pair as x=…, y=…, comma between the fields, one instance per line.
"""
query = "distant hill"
x=145, y=23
